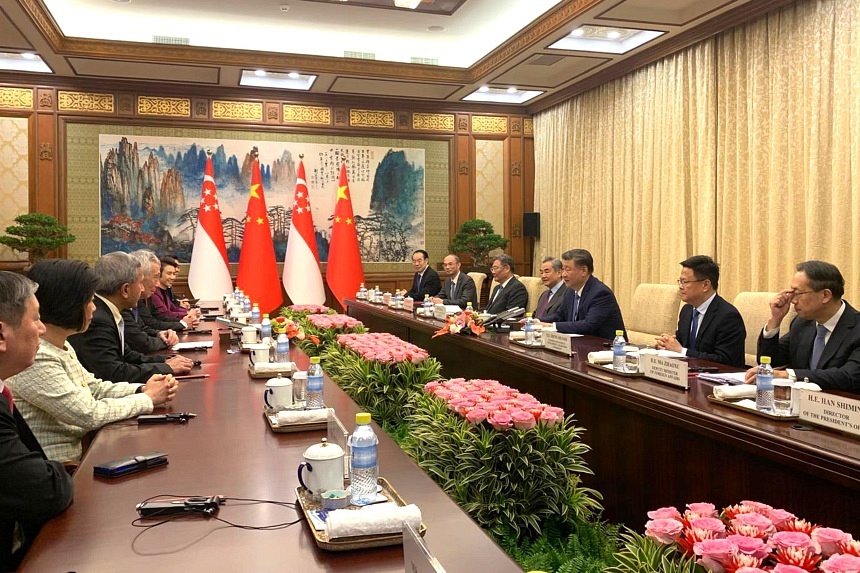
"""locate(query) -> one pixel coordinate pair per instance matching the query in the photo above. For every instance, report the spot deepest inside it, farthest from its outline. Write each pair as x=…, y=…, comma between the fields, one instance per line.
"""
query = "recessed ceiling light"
x=28, y=56
x=512, y=90
x=23, y=63
x=260, y=73
x=435, y=28
x=502, y=95
x=613, y=35
x=293, y=75
x=122, y=1
x=483, y=89
x=284, y=7
x=577, y=33
x=278, y=80
x=605, y=40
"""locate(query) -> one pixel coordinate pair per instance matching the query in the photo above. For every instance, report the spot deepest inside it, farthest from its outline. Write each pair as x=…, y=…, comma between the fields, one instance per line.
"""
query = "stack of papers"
x=730, y=378
x=193, y=345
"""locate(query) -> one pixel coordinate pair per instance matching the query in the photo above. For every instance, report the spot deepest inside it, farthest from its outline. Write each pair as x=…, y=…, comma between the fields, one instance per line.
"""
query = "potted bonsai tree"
x=477, y=238
x=36, y=234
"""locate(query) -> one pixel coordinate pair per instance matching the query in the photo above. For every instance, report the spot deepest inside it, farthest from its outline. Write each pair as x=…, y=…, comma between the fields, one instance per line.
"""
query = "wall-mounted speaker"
x=531, y=225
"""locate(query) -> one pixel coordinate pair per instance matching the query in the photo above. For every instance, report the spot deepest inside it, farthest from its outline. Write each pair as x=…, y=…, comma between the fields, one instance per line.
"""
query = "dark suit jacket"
x=554, y=303
x=839, y=367
x=140, y=337
x=155, y=320
x=430, y=284
x=464, y=292
x=34, y=489
x=721, y=335
x=100, y=351
x=512, y=296
x=598, y=313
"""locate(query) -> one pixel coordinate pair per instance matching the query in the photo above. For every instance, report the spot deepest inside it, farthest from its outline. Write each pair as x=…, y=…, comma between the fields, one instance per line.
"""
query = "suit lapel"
x=839, y=335
x=709, y=317
x=685, y=324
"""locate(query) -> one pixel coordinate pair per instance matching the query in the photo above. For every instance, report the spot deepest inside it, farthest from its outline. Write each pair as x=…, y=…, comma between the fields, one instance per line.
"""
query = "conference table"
x=652, y=444
x=229, y=449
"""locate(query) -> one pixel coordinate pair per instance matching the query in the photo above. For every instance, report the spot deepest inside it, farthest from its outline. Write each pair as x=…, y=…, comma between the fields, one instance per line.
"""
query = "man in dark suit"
x=34, y=489
x=589, y=306
x=102, y=348
x=426, y=280
x=138, y=335
x=550, y=276
x=709, y=327
x=823, y=343
x=510, y=292
x=458, y=288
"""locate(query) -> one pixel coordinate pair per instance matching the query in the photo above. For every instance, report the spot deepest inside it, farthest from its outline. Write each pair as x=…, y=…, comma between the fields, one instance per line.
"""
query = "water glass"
x=631, y=362
x=300, y=388
x=782, y=391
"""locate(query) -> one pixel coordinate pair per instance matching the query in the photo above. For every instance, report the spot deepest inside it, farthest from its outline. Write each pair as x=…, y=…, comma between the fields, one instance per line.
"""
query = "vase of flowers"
x=464, y=323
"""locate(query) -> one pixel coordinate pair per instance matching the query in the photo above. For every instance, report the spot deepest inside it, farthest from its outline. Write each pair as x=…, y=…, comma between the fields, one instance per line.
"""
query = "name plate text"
x=558, y=342
x=831, y=411
x=666, y=370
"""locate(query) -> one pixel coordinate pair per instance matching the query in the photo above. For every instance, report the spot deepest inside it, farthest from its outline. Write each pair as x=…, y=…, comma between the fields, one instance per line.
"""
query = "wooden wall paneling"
x=528, y=184
x=463, y=191
x=514, y=171
x=45, y=196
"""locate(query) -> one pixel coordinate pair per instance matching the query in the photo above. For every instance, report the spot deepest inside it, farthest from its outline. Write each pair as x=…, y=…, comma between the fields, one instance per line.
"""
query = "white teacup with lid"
x=322, y=469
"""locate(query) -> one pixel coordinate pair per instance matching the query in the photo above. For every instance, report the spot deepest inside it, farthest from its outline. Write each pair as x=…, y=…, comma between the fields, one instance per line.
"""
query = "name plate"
x=409, y=304
x=831, y=411
x=559, y=342
x=440, y=312
x=416, y=555
x=666, y=370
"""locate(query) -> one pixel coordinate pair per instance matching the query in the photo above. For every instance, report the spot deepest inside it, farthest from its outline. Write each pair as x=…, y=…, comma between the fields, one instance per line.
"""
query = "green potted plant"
x=36, y=234
x=477, y=238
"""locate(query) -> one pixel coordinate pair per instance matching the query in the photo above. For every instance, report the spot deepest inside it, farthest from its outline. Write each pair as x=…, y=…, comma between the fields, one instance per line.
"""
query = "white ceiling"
x=497, y=43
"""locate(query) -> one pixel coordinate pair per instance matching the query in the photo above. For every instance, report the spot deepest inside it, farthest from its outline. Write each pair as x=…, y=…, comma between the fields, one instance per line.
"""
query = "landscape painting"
x=150, y=192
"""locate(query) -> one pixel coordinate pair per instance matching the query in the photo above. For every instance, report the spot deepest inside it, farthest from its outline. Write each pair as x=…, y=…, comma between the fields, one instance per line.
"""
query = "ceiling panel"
x=363, y=86
x=664, y=12
x=548, y=70
x=10, y=37
x=144, y=71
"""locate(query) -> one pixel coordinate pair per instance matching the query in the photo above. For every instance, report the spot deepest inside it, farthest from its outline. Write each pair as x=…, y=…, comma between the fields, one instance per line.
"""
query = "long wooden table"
x=230, y=450
x=655, y=445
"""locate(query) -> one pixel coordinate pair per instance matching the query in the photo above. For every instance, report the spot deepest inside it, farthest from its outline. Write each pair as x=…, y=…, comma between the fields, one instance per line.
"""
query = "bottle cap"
x=619, y=333
x=362, y=418
x=256, y=304
x=528, y=315
x=265, y=315
x=315, y=359
x=765, y=360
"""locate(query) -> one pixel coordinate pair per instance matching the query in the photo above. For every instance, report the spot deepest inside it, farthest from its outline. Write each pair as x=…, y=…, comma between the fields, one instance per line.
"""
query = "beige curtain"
x=745, y=147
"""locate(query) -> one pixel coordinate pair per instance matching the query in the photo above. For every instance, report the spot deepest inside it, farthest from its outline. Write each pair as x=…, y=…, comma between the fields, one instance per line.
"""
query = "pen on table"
x=191, y=376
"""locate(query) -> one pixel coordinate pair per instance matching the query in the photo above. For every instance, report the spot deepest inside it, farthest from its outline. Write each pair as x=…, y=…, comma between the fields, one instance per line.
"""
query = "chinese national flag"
x=209, y=274
x=343, y=274
x=258, y=271
x=302, y=277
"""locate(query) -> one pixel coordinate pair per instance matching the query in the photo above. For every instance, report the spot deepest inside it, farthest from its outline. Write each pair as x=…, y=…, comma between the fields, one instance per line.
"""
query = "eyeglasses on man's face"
x=684, y=282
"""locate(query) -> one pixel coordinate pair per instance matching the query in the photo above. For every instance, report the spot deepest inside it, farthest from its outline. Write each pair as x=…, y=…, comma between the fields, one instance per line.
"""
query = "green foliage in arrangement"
x=574, y=546
x=641, y=554
x=324, y=335
x=37, y=234
x=387, y=391
x=513, y=479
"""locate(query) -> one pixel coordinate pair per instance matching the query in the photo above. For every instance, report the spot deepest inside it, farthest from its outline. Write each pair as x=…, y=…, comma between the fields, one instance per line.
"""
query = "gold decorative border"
x=489, y=124
x=241, y=110
x=83, y=101
x=311, y=114
x=528, y=126
x=169, y=106
x=433, y=121
x=371, y=118
x=17, y=98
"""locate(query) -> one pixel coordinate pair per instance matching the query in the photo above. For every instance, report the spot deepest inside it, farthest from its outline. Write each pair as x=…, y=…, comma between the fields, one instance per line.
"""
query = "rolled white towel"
x=600, y=357
x=730, y=392
x=521, y=335
x=290, y=417
x=371, y=520
x=273, y=367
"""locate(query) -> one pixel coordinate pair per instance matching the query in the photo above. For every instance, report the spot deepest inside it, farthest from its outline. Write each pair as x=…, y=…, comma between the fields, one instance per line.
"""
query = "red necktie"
x=8, y=395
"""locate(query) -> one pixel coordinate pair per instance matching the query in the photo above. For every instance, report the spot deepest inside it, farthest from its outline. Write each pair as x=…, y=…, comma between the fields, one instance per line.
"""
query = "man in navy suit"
x=34, y=488
x=510, y=292
x=550, y=275
x=709, y=327
x=823, y=342
x=459, y=288
x=589, y=306
x=426, y=280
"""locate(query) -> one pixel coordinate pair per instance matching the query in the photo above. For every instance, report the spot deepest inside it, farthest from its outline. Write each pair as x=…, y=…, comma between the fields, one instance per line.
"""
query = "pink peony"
x=780, y=517
x=785, y=568
x=789, y=539
x=523, y=420
x=714, y=554
x=664, y=513
x=549, y=418
x=841, y=564
x=708, y=524
x=750, y=570
x=829, y=539
x=665, y=530
x=701, y=510
x=754, y=546
x=757, y=521
x=476, y=416
x=757, y=505
x=500, y=420
x=430, y=386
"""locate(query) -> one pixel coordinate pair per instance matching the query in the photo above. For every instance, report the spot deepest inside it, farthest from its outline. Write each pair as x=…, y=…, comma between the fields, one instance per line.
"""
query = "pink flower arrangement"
x=501, y=406
x=309, y=308
x=382, y=347
x=332, y=321
x=753, y=537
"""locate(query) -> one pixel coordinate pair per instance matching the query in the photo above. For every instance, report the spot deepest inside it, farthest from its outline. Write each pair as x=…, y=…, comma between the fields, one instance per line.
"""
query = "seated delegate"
x=60, y=400
x=510, y=292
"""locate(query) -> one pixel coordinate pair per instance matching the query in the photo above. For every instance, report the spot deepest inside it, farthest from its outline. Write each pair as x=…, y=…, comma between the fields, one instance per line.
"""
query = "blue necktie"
x=694, y=330
x=417, y=282
x=575, y=306
x=452, y=289
x=817, y=346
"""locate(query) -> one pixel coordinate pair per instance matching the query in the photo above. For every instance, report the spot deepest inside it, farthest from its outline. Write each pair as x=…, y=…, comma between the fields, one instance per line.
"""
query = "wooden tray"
x=360, y=542
x=609, y=368
x=538, y=344
x=272, y=420
x=286, y=372
x=732, y=404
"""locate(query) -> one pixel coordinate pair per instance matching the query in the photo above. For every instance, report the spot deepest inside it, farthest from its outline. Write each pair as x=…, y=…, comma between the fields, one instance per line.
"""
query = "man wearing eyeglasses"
x=709, y=327
x=823, y=342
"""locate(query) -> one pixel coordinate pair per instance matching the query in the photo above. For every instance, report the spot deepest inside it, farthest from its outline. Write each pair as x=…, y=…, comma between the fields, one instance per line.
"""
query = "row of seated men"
x=822, y=343
x=72, y=359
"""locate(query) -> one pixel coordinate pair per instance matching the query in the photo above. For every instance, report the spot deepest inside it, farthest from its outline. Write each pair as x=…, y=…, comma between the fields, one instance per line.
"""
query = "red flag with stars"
x=209, y=274
x=302, y=276
x=258, y=270
x=344, y=274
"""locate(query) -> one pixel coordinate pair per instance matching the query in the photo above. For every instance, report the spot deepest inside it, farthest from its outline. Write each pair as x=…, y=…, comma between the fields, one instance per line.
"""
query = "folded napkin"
x=520, y=335
x=605, y=356
x=273, y=367
x=730, y=392
x=290, y=417
x=371, y=520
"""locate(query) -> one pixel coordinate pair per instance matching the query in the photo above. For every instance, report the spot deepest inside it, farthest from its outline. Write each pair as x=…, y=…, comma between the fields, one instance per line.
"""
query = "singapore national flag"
x=302, y=277
x=209, y=274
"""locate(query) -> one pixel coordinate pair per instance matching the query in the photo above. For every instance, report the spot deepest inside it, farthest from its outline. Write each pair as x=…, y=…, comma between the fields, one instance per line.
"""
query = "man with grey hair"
x=458, y=288
x=550, y=276
x=510, y=292
x=34, y=489
x=102, y=348
x=138, y=335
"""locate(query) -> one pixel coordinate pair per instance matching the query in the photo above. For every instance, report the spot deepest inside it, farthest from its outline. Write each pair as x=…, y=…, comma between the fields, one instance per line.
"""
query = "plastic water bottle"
x=315, y=385
x=282, y=348
x=469, y=308
x=529, y=329
x=363, y=461
x=266, y=327
x=764, y=386
x=362, y=292
x=255, y=314
x=618, y=357
x=246, y=305
x=427, y=305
